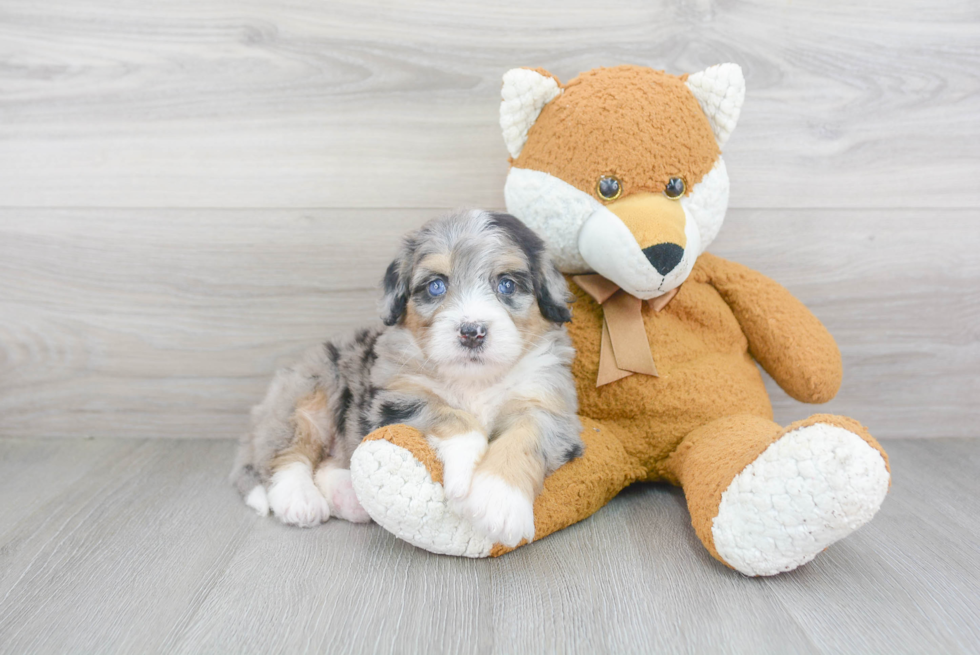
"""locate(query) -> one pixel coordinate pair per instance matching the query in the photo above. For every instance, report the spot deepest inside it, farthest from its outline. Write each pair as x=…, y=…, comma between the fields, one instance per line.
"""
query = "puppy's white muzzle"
x=491, y=339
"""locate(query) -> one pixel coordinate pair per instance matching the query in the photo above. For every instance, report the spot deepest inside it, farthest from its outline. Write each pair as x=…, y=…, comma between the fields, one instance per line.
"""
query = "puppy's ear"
x=550, y=287
x=395, y=283
x=551, y=290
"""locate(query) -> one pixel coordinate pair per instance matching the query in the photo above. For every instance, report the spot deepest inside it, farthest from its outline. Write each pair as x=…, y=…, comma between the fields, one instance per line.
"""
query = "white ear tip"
x=523, y=96
x=720, y=90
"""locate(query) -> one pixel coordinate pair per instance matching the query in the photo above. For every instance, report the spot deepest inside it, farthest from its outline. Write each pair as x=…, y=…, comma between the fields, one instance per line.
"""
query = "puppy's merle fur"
x=473, y=353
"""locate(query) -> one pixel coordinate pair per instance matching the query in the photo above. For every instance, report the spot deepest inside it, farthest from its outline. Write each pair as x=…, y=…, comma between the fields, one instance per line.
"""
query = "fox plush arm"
x=790, y=343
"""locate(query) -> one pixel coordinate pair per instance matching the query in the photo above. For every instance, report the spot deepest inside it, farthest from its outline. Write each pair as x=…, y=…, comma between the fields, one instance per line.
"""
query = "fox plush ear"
x=720, y=91
x=524, y=95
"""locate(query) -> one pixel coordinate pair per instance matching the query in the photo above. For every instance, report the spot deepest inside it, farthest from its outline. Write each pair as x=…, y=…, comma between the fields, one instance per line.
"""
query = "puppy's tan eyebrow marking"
x=509, y=263
x=438, y=263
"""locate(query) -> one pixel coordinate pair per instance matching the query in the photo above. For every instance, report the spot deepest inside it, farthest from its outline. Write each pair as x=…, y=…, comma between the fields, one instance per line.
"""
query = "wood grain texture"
x=151, y=551
x=249, y=103
x=169, y=323
x=159, y=258
x=898, y=290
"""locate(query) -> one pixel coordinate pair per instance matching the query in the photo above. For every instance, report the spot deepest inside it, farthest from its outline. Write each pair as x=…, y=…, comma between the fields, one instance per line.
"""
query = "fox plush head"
x=620, y=169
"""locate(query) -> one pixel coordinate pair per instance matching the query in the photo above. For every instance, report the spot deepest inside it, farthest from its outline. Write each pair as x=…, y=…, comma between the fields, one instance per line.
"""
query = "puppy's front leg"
x=460, y=442
x=506, y=482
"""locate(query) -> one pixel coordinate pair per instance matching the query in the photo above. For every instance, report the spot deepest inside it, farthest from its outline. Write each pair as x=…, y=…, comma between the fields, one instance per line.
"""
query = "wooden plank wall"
x=193, y=191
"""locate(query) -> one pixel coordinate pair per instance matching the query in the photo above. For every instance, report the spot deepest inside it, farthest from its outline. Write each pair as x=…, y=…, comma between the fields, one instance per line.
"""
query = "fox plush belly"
x=704, y=372
x=620, y=172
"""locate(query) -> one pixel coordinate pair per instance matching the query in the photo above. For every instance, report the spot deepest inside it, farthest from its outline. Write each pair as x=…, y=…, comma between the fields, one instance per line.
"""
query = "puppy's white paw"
x=335, y=485
x=459, y=456
x=294, y=498
x=500, y=511
x=257, y=500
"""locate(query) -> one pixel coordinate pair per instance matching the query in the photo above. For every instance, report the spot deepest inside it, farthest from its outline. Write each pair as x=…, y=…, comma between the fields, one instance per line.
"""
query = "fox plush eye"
x=437, y=288
x=608, y=187
x=675, y=188
x=506, y=286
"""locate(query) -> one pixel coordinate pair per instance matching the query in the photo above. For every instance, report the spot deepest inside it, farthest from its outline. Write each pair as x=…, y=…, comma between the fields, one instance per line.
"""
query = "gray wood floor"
x=139, y=546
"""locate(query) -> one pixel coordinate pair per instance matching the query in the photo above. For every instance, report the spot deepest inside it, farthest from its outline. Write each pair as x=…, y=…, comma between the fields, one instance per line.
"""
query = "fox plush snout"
x=657, y=223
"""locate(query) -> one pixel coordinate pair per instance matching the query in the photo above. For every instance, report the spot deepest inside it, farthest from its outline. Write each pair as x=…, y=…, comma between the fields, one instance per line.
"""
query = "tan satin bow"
x=624, y=349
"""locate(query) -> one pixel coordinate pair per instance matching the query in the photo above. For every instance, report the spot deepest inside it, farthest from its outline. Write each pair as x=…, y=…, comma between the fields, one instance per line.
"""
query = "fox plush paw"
x=398, y=480
x=812, y=487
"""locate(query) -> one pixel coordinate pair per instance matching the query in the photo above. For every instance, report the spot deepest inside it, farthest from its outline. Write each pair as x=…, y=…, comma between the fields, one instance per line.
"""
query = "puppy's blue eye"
x=437, y=288
x=506, y=286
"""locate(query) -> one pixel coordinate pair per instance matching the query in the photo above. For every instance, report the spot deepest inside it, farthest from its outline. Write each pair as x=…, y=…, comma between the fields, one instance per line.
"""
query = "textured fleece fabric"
x=703, y=343
x=720, y=91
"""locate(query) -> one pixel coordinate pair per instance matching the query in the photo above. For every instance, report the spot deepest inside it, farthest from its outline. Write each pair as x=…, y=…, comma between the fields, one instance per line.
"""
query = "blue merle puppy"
x=473, y=353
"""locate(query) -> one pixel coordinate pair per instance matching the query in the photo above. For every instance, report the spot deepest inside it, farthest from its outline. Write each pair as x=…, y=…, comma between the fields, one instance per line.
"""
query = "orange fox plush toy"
x=620, y=172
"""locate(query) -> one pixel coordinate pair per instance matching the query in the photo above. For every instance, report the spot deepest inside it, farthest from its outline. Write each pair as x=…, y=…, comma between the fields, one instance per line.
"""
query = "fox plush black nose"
x=664, y=256
x=471, y=335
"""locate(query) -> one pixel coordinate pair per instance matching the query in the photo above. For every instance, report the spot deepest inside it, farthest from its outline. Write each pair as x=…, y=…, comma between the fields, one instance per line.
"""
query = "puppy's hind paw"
x=258, y=500
x=294, y=498
x=335, y=485
x=498, y=510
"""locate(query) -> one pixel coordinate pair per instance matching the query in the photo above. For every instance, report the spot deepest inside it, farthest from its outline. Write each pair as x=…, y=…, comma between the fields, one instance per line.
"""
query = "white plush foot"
x=294, y=499
x=459, y=456
x=498, y=510
x=335, y=485
x=258, y=500
x=814, y=486
x=397, y=492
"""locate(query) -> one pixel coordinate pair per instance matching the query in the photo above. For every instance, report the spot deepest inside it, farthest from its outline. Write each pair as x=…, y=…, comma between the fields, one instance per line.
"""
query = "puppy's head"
x=476, y=290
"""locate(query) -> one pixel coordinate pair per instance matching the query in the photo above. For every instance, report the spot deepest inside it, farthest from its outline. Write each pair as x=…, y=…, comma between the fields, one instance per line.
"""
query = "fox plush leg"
x=398, y=480
x=766, y=499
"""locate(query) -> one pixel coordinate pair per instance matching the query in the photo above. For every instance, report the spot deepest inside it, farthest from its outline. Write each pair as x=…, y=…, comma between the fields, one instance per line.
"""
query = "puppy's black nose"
x=664, y=256
x=472, y=335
